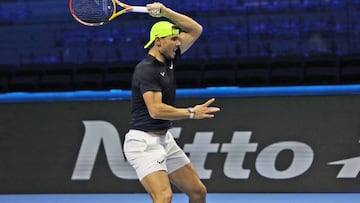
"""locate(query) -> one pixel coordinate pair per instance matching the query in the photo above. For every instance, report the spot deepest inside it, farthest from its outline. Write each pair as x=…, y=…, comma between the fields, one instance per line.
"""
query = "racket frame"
x=126, y=9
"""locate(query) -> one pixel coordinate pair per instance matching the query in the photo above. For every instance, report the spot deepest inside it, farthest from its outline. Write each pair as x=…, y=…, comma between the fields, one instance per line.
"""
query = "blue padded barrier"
x=217, y=92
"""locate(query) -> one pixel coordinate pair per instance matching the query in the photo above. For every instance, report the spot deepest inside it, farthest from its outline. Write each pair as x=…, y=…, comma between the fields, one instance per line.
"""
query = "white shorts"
x=148, y=153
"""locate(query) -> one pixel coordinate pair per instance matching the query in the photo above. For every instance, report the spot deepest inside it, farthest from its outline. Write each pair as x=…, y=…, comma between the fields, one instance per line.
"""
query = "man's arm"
x=159, y=110
x=191, y=30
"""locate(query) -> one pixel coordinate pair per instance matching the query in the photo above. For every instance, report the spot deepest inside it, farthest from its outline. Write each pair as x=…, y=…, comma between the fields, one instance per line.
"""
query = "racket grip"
x=139, y=9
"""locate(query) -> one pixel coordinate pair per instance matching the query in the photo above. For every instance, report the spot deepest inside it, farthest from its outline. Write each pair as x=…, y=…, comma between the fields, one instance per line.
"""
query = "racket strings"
x=93, y=11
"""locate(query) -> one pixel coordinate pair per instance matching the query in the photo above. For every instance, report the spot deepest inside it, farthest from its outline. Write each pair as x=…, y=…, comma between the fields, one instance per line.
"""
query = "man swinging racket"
x=149, y=146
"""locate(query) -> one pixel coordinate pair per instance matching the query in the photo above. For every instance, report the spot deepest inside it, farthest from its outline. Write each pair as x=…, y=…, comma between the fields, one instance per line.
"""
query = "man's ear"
x=157, y=41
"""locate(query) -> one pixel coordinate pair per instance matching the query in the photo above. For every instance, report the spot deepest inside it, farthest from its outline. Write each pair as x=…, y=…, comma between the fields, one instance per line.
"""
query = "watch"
x=192, y=113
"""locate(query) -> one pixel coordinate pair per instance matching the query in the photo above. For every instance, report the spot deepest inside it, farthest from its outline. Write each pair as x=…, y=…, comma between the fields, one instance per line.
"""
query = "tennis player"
x=149, y=146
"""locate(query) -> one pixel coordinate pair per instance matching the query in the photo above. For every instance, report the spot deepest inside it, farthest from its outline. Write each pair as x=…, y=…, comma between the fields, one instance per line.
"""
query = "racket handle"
x=139, y=9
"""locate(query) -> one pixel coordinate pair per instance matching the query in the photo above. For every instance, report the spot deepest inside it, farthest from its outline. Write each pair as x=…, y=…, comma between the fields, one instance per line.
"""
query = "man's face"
x=168, y=46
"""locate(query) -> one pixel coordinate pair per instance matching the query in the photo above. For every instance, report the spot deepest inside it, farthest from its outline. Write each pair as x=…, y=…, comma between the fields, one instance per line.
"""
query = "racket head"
x=92, y=12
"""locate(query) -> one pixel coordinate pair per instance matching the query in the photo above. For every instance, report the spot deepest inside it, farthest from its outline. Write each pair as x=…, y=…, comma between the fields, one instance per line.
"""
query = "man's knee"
x=164, y=197
x=199, y=194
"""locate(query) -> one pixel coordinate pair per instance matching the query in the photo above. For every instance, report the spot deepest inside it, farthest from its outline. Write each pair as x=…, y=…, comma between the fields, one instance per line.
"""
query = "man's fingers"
x=213, y=109
x=208, y=102
x=205, y=110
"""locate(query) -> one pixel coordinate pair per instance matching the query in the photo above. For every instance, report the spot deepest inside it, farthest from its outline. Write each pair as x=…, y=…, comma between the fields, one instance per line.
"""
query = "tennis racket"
x=99, y=12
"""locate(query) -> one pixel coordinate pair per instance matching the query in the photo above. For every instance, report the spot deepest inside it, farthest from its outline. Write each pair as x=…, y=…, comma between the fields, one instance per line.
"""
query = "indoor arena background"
x=285, y=73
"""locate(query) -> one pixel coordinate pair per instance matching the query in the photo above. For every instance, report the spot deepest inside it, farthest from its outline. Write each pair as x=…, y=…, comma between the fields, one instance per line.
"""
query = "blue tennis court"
x=180, y=198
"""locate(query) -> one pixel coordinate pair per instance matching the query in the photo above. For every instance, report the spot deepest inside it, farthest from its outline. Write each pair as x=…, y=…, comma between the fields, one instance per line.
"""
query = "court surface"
x=180, y=198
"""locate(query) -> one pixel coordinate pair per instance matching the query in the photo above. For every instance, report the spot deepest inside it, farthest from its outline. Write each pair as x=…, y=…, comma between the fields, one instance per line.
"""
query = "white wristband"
x=192, y=113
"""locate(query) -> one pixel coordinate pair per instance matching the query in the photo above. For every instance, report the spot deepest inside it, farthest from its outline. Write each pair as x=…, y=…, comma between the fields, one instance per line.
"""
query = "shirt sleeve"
x=147, y=80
